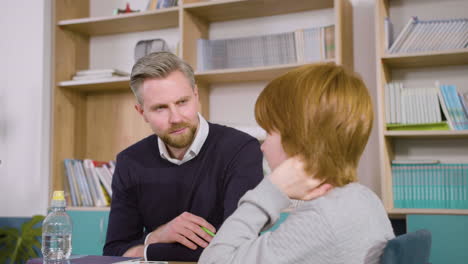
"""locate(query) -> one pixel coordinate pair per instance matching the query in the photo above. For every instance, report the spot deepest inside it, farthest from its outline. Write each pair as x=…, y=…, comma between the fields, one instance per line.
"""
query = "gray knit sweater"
x=348, y=225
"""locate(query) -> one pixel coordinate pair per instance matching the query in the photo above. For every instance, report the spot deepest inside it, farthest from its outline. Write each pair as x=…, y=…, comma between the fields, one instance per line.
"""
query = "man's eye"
x=182, y=102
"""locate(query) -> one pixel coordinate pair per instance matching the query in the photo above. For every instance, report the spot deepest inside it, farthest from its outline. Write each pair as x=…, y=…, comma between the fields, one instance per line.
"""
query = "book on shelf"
x=438, y=107
x=388, y=33
x=158, y=4
x=166, y=3
x=463, y=96
x=444, y=107
x=329, y=41
x=98, y=74
x=82, y=183
x=106, y=178
x=88, y=182
x=403, y=34
x=318, y=43
x=454, y=106
x=70, y=183
x=303, y=45
x=430, y=35
x=430, y=184
x=151, y=4
x=99, y=192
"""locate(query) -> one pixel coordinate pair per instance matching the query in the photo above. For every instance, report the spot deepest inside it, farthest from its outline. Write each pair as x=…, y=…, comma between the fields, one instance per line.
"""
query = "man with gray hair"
x=173, y=188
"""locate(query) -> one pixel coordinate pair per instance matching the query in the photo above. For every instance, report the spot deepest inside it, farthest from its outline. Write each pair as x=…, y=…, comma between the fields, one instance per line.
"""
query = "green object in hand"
x=207, y=231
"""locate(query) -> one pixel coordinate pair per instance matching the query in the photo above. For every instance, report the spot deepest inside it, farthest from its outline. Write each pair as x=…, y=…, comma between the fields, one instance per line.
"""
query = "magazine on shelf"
x=98, y=74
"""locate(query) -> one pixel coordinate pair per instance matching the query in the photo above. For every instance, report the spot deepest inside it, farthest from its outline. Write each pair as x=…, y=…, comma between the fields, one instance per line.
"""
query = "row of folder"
x=303, y=45
x=436, y=185
x=428, y=35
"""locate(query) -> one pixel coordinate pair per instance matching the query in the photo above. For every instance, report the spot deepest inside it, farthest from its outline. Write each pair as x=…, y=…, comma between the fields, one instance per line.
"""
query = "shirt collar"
x=195, y=147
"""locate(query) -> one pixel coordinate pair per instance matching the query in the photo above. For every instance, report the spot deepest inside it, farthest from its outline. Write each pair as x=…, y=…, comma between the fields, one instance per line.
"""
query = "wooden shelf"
x=246, y=74
x=76, y=208
x=223, y=10
x=142, y=21
x=214, y=76
x=429, y=59
x=428, y=134
x=116, y=83
x=398, y=211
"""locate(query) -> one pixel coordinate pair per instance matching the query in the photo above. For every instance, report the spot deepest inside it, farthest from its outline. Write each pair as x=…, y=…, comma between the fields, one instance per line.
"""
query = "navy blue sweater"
x=149, y=191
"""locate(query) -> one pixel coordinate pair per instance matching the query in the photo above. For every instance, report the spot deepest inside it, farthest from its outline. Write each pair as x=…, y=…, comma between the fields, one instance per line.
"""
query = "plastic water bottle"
x=57, y=230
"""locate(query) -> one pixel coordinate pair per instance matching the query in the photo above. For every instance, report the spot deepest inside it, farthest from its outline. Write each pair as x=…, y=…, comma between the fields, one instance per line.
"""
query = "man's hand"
x=291, y=178
x=184, y=229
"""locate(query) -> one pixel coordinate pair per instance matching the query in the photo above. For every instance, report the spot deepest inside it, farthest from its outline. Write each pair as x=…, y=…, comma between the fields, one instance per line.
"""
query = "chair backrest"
x=410, y=248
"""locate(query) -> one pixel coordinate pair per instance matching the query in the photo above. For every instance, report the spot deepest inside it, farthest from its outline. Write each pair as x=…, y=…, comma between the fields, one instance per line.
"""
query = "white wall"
x=24, y=107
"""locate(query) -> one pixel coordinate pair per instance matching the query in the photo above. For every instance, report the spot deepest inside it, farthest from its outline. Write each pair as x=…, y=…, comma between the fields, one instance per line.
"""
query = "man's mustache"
x=178, y=127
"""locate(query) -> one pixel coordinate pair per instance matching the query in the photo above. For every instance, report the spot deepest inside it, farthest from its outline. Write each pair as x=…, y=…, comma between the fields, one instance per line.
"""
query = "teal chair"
x=410, y=248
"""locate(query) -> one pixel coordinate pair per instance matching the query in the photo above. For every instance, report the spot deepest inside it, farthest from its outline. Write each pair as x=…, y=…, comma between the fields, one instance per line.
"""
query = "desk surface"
x=95, y=260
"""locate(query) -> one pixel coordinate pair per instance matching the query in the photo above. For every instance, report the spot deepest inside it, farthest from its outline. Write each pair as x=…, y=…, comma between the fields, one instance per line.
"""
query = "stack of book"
x=430, y=184
x=429, y=35
x=88, y=182
x=98, y=74
x=304, y=45
x=440, y=107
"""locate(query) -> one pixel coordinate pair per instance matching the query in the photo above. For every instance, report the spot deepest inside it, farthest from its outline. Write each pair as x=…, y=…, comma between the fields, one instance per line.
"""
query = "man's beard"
x=181, y=140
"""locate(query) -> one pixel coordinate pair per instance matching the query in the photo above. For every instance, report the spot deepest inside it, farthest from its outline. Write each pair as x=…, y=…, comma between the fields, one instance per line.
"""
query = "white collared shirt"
x=193, y=150
x=191, y=153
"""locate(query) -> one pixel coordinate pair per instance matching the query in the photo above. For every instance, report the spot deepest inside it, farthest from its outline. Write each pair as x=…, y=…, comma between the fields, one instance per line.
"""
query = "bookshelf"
x=447, y=145
x=125, y=23
x=96, y=119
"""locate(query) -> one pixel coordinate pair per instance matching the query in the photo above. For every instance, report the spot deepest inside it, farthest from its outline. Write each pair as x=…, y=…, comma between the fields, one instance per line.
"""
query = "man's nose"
x=175, y=117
